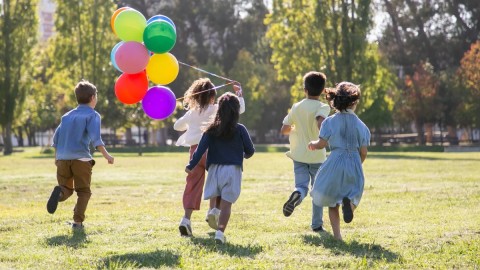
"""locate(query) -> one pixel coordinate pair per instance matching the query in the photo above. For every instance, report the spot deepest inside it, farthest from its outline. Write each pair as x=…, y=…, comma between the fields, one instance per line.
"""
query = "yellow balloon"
x=162, y=68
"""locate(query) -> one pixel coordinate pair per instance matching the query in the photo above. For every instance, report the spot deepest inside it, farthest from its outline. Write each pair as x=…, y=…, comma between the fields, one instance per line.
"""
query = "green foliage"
x=330, y=37
x=18, y=32
x=82, y=48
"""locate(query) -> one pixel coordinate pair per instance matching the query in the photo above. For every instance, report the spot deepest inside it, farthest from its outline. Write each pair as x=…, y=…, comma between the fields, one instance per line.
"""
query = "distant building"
x=46, y=10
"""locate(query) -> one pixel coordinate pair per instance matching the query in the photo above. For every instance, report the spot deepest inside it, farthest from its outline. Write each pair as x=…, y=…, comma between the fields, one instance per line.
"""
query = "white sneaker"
x=212, y=218
x=220, y=237
x=185, y=227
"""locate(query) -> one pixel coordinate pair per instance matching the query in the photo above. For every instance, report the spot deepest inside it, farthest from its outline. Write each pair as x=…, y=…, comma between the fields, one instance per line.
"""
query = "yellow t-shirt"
x=303, y=119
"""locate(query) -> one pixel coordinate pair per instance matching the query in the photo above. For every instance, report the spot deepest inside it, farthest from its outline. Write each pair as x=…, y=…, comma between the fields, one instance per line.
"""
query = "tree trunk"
x=452, y=135
x=429, y=132
x=20, y=136
x=420, y=132
x=7, y=140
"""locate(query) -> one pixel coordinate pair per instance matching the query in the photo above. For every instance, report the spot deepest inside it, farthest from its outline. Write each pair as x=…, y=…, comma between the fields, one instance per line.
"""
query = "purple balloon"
x=159, y=102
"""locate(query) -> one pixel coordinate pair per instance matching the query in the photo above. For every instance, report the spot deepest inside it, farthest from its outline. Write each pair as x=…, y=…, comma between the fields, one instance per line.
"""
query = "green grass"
x=419, y=210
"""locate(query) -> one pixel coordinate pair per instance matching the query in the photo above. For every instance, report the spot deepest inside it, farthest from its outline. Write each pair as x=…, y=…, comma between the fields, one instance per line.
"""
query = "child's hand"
x=187, y=170
x=237, y=87
x=311, y=145
x=110, y=159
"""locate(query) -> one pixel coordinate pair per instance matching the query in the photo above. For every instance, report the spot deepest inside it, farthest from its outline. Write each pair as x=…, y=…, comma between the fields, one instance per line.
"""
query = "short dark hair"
x=84, y=90
x=314, y=83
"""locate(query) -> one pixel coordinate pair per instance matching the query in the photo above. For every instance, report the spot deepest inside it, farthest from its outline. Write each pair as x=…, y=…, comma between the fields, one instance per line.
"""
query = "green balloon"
x=129, y=25
x=159, y=36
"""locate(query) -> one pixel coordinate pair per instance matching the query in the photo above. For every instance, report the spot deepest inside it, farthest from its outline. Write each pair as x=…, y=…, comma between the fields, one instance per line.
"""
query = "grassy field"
x=419, y=210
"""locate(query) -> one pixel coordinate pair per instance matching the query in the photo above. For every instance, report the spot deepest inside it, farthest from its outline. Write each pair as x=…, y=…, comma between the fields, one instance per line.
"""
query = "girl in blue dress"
x=340, y=179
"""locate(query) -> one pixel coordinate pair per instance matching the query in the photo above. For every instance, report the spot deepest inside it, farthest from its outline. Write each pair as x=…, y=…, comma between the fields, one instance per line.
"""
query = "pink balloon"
x=132, y=57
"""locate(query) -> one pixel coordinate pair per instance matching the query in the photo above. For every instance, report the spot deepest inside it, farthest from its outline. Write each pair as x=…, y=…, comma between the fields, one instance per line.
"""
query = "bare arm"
x=318, y=144
x=363, y=153
x=105, y=154
x=320, y=121
x=285, y=130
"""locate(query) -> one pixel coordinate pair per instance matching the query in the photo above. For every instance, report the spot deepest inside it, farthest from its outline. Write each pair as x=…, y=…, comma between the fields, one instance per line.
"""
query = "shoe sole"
x=212, y=222
x=53, y=200
x=347, y=210
x=291, y=203
x=184, y=231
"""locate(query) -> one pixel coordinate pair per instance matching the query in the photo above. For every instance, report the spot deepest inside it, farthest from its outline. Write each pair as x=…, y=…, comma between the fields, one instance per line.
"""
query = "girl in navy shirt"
x=228, y=143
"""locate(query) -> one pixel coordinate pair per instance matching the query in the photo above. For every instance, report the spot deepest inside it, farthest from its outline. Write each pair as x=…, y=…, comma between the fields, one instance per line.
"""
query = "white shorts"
x=224, y=181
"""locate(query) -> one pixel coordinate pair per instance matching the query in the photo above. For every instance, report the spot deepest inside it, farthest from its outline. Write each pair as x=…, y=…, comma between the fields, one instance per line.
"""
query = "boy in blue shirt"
x=78, y=128
x=302, y=124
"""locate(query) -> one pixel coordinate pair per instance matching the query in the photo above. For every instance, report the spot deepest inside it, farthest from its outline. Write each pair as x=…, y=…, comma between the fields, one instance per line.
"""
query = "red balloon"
x=131, y=88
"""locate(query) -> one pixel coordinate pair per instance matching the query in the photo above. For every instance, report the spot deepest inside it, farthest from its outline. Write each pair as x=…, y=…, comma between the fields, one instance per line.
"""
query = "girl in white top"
x=199, y=101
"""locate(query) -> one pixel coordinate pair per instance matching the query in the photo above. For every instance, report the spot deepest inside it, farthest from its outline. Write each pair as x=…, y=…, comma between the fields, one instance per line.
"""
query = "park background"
x=418, y=66
x=417, y=63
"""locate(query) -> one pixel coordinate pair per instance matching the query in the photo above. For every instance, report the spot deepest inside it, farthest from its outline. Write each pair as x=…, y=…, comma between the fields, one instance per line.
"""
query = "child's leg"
x=192, y=195
x=226, y=208
x=82, y=172
x=215, y=202
x=334, y=215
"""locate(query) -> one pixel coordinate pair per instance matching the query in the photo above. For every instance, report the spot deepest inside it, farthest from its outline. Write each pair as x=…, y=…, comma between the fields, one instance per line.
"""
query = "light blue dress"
x=341, y=175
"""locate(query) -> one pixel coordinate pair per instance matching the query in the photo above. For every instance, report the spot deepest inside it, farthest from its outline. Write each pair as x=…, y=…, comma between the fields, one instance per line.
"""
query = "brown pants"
x=192, y=195
x=75, y=175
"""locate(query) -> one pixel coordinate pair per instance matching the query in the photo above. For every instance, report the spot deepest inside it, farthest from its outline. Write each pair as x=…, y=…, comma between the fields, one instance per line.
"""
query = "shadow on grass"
x=371, y=251
x=231, y=250
x=77, y=240
x=155, y=259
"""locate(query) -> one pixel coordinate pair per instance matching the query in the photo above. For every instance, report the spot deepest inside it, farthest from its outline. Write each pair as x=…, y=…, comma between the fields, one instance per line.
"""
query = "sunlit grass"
x=419, y=210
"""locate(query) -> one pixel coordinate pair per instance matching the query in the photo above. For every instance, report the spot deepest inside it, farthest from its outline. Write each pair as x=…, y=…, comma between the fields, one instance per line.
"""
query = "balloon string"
x=204, y=71
x=214, y=88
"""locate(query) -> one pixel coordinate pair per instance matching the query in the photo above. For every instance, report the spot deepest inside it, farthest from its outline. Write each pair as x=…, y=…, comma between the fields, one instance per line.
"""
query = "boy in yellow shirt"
x=302, y=124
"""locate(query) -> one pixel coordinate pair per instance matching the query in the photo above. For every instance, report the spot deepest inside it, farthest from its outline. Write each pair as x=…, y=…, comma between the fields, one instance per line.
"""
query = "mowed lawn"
x=419, y=210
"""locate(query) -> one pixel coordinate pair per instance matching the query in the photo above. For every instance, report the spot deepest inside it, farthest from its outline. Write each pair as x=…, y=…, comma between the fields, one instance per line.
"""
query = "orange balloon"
x=131, y=88
x=114, y=16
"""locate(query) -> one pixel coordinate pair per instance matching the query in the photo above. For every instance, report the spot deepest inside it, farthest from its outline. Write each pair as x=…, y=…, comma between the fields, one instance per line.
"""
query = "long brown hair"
x=196, y=97
x=226, y=118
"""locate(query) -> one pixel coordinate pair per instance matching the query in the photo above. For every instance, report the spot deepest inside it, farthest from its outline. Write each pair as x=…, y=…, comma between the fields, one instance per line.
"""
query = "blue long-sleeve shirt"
x=224, y=151
x=78, y=128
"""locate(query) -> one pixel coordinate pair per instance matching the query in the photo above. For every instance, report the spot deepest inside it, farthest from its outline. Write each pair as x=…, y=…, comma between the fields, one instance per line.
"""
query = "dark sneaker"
x=347, y=210
x=76, y=226
x=291, y=203
x=318, y=229
x=53, y=200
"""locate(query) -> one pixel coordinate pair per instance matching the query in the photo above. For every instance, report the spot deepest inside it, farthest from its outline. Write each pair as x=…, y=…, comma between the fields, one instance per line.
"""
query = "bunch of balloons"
x=143, y=55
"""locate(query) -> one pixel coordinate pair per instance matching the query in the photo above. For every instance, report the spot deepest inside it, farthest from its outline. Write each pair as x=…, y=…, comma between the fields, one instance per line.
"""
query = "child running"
x=200, y=104
x=340, y=179
x=302, y=125
x=228, y=143
x=78, y=128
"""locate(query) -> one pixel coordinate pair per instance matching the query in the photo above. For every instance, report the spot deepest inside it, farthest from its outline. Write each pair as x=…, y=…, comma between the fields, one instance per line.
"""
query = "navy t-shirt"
x=224, y=151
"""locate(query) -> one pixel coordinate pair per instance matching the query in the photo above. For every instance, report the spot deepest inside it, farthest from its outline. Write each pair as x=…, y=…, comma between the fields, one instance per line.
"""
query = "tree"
x=469, y=74
x=421, y=89
x=329, y=36
x=437, y=32
x=81, y=49
x=18, y=29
